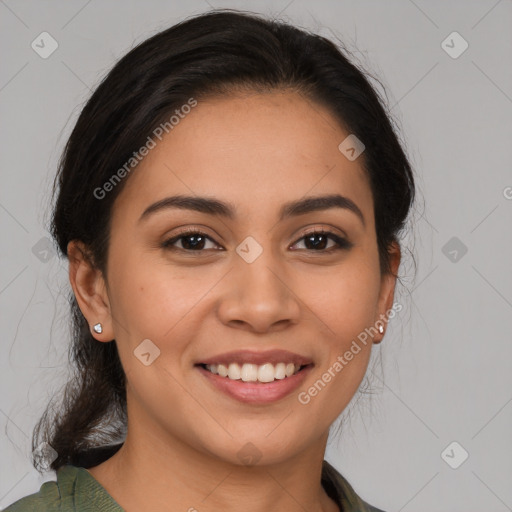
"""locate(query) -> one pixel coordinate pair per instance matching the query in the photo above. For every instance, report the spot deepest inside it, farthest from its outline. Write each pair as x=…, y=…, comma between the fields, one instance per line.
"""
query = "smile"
x=247, y=372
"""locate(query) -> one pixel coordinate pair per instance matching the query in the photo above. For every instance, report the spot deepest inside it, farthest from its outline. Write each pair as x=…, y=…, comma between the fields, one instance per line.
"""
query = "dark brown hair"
x=214, y=53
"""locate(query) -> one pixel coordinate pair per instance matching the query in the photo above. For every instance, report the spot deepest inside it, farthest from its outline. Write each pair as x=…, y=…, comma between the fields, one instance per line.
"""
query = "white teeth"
x=254, y=373
x=266, y=373
x=234, y=371
x=280, y=371
x=249, y=373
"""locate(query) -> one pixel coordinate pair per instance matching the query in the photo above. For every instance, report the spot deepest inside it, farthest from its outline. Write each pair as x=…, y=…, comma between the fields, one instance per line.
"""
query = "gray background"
x=446, y=358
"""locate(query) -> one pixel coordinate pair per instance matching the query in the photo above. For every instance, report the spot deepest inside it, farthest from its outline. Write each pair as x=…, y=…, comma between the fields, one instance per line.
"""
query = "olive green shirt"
x=76, y=490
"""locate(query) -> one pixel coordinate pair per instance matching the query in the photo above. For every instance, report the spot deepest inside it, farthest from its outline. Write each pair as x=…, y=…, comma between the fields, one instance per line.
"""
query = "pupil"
x=321, y=244
x=193, y=245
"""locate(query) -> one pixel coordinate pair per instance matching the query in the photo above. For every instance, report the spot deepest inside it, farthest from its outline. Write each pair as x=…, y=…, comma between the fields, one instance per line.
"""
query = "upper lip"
x=257, y=357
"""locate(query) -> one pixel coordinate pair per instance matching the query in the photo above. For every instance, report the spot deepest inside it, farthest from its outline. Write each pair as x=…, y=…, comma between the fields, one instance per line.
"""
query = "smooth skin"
x=256, y=152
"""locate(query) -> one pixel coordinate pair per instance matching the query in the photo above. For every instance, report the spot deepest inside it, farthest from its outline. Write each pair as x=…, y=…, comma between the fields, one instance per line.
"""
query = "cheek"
x=155, y=309
x=344, y=306
x=151, y=299
x=156, y=303
x=345, y=301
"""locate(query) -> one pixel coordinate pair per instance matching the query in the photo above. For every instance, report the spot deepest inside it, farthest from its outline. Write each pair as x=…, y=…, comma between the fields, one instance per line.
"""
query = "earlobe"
x=387, y=291
x=90, y=291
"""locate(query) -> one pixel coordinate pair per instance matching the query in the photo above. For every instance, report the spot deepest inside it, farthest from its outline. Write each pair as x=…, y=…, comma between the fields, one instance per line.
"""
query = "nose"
x=259, y=296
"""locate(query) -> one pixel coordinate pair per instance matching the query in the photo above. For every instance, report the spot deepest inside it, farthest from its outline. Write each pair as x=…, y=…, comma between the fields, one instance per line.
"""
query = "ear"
x=387, y=290
x=90, y=290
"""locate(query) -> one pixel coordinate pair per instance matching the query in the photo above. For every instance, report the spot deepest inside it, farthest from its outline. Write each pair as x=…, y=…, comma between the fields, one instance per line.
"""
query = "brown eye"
x=190, y=241
x=318, y=241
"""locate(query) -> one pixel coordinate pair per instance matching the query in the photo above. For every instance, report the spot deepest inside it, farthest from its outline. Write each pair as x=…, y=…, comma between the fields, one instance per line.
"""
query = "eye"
x=191, y=240
x=318, y=240
x=315, y=241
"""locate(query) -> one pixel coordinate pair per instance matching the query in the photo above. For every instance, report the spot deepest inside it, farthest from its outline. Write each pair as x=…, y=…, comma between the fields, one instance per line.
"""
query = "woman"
x=230, y=202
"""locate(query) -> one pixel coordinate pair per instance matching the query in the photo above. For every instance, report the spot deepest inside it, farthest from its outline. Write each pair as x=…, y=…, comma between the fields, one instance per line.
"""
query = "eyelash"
x=341, y=243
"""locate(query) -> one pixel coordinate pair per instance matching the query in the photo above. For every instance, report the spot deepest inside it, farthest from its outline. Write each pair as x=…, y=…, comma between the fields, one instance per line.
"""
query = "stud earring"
x=98, y=328
x=381, y=329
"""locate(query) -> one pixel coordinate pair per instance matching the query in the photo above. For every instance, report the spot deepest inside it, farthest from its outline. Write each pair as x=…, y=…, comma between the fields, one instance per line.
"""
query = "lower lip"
x=257, y=392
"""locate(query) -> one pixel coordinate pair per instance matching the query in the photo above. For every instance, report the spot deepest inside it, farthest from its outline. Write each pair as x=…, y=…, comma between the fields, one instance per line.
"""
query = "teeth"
x=266, y=373
x=255, y=373
x=234, y=371
x=249, y=372
x=280, y=371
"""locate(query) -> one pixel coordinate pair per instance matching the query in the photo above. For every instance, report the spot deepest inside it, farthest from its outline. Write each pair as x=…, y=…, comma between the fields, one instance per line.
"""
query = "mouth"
x=247, y=372
x=256, y=377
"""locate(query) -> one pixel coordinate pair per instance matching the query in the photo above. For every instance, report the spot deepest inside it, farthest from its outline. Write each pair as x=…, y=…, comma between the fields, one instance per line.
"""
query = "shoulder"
x=74, y=491
x=342, y=492
x=46, y=500
x=50, y=496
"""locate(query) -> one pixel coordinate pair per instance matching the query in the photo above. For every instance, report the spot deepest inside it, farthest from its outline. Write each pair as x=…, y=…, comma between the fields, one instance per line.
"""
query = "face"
x=204, y=286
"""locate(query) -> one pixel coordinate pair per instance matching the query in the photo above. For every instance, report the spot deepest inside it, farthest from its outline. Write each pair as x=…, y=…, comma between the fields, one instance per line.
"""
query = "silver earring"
x=98, y=328
x=381, y=329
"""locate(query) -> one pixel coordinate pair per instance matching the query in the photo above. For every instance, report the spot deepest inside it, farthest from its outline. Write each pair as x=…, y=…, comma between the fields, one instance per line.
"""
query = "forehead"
x=256, y=151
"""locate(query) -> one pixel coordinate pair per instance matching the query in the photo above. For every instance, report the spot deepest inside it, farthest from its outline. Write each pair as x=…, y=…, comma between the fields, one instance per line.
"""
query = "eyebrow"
x=215, y=207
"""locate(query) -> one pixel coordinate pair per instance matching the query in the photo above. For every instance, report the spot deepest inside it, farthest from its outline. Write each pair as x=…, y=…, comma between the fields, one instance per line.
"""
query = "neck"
x=151, y=472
